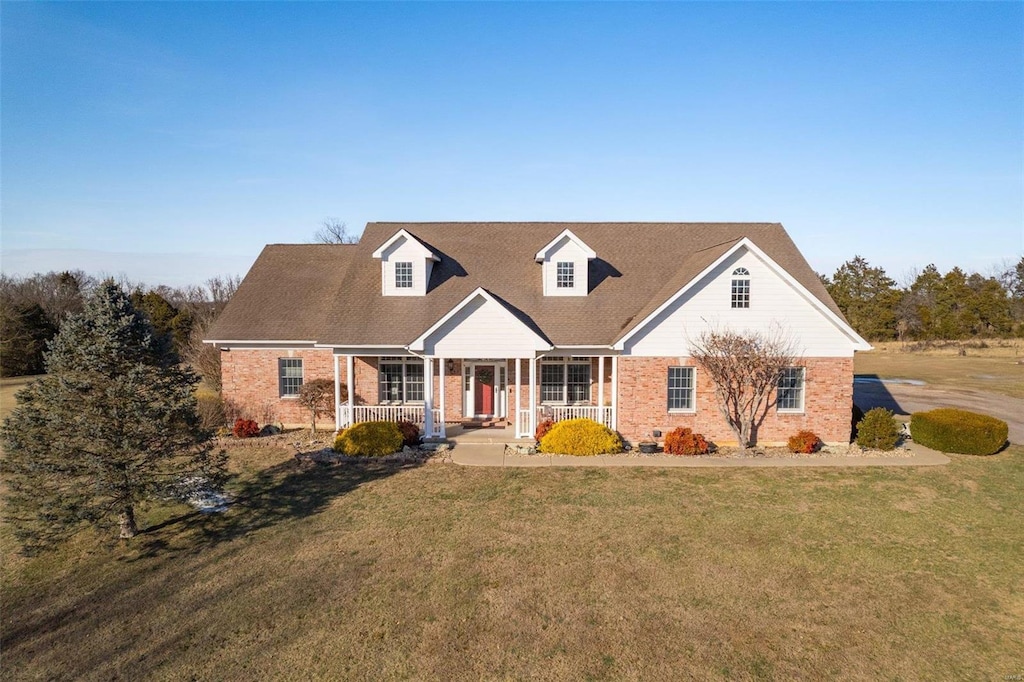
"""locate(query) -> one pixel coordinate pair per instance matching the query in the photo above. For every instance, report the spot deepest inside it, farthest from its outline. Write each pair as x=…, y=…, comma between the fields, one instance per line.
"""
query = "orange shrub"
x=804, y=442
x=683, y=441
x=542, y=429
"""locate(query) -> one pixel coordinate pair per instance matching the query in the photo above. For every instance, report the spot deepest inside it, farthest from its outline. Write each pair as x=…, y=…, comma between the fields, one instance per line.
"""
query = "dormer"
x=405, y=265
x=566, y=265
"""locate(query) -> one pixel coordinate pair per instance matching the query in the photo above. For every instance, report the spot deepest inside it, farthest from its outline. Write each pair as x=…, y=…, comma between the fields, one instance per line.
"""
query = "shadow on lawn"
x=279, y=493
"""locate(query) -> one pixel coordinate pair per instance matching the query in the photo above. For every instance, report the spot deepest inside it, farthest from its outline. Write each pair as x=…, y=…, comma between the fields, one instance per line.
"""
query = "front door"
x=483, y=385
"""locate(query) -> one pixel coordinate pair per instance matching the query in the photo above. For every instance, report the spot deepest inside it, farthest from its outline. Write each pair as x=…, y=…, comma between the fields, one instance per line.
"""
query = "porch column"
x=519, y=399
x=428, y=397
x=600, y=383
x=350, y=379
x=533, y=397
x=337, y=392
x=615, y=393
x=442, y=372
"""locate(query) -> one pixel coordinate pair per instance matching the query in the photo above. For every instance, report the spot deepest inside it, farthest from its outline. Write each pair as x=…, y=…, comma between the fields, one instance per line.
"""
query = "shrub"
x=950, y=430
x=683, y=441
x=369, y=439
x=410, y=433
x=858, y=414
x=542, y=429
x=878, y=430
x=804, y=442
x=580, y=437
x=210, y=408
x=246, y=428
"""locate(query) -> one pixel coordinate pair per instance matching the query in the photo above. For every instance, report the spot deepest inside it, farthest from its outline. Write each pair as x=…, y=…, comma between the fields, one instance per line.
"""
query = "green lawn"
x=444, y=572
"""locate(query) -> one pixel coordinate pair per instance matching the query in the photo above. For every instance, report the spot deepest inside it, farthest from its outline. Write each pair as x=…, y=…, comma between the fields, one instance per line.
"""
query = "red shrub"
x=542, y=429
x=410, y=433
x=683, y=441
x=245, y=428
x=804, y=442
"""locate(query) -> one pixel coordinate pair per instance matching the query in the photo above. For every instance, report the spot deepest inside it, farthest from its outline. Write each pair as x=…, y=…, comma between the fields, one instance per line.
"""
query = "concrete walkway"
x=482, y=454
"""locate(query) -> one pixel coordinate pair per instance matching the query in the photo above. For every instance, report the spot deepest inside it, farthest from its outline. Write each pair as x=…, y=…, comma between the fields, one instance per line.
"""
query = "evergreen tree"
x=113, y=423
x=867, y=296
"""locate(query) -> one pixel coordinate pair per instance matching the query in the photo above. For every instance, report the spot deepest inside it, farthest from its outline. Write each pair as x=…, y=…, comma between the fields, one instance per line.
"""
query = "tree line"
x=33, y=308
x=929, y=305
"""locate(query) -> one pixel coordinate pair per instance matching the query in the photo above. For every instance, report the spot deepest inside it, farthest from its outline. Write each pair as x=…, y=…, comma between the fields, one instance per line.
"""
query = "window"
x=565, y=275
x=403, y=275
x=791, y=390
x=681, y=388
x=400, y=380
x=289, y=374
x=565, y=381
x=740, y=288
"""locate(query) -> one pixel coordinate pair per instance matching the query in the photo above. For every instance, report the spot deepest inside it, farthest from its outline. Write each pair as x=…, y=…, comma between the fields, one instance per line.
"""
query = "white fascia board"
x=542, y=254
x=858, y=342
x=427, y=253
x=419, y=343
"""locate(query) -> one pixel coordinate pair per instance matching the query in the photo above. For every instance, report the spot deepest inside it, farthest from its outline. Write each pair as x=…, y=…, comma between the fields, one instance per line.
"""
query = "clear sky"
x=170, y=142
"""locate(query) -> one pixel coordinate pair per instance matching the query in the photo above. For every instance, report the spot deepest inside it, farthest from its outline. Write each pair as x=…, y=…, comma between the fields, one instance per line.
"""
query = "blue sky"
x=170, y=142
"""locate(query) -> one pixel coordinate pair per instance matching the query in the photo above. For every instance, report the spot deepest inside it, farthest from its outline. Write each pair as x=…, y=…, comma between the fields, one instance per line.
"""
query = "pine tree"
x=112, y=424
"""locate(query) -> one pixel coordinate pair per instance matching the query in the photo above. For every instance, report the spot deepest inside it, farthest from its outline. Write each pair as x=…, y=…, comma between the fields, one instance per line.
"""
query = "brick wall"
x=643, y=402
x=250, y=382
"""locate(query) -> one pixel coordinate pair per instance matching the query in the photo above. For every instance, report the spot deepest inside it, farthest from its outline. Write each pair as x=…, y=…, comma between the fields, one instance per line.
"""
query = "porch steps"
x=484, y=423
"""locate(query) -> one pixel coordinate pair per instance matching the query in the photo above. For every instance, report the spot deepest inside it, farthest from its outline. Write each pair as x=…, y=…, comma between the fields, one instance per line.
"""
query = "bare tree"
x=334, y=231
x=745, y=368
x=317, y=396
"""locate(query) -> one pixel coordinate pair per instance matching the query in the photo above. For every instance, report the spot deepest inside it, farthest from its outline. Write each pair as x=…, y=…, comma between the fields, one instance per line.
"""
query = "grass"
x=8, y=388
x=995, y=368
x=445, y=572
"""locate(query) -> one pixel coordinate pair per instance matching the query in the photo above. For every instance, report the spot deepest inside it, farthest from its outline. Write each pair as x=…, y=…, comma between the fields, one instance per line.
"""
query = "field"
x=445, y=572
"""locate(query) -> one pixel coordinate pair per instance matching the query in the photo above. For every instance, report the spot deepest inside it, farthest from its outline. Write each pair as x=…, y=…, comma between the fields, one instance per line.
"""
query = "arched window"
x=740, y=288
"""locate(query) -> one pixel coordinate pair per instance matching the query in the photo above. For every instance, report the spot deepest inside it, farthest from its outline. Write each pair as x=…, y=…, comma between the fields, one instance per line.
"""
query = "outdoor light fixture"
x=449, y=365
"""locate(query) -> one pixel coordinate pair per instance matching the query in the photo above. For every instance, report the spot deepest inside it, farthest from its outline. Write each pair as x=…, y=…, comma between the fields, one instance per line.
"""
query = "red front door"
x=484, y=390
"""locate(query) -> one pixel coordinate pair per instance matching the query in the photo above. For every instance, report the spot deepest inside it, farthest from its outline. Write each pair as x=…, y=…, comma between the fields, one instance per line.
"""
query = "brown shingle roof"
x=331, y=293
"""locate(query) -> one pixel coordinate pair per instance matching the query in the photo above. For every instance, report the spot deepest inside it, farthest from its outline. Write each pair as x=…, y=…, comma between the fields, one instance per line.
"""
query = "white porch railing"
x=390, y=413
x=602, y=415
x=523, y=425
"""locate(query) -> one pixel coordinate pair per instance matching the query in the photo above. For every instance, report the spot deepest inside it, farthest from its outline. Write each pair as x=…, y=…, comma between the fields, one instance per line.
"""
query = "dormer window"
x=403, y=275
x=405, y=265
x=565, y=275
x=740, y=288
x=565, y=265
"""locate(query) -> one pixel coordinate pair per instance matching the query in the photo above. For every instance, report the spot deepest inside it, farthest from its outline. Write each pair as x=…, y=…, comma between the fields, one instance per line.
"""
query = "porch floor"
x=457, y=434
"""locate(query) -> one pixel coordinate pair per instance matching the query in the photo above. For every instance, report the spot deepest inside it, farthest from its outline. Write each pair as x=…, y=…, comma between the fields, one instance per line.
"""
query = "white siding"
x=408, y=251
x=772, y=300
x=483, y=329
x=566, y=251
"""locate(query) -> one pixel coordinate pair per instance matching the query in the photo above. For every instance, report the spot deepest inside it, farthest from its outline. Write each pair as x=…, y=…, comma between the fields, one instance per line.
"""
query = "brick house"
x=517, y=322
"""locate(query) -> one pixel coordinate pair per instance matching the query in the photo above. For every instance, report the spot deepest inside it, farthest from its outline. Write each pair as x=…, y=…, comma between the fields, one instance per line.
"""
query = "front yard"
x=445, y=572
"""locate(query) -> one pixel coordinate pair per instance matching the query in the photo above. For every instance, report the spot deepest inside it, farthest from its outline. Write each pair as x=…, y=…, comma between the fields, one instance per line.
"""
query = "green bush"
x=960, y=431
x=878, y=430
x=580, y=437
x=369, y=439
x=858, y=414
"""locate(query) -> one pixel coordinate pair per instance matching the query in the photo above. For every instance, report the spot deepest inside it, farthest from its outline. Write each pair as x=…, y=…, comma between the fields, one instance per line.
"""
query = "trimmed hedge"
x=950, y=430
x=410, y=433
x=580, y=437
x=878, y=430
x=804, y=443
x=245, y=428
x=369, y=439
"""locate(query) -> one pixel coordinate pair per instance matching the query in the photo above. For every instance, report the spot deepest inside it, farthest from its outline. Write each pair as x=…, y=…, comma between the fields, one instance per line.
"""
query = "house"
x=441, y=322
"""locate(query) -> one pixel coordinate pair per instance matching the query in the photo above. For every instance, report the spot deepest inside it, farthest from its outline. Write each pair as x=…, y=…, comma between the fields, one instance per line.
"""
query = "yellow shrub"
x=581, y=437
x=369, y=439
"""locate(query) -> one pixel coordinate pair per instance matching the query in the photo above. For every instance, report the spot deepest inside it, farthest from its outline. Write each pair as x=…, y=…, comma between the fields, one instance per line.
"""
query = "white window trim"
x=412, y=275
x=405, y=362
x=570, y=274
x=280, y=380
x=739, y=275
x=803, y=395
x=683, y=410
x=564, y=363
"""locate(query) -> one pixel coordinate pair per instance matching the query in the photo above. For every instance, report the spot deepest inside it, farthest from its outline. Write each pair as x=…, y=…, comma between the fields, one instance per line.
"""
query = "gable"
x=774, y=301
x=480, y=327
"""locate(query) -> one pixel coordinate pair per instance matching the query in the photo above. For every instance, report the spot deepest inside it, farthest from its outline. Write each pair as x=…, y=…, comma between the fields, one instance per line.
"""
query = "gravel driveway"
x=904, y=399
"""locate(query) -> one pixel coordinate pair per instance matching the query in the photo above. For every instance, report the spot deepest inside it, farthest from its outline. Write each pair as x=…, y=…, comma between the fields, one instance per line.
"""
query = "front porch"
x=439, y=394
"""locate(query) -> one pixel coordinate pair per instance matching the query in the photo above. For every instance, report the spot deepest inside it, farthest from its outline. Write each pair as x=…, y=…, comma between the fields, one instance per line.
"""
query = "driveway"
x=903, y=399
